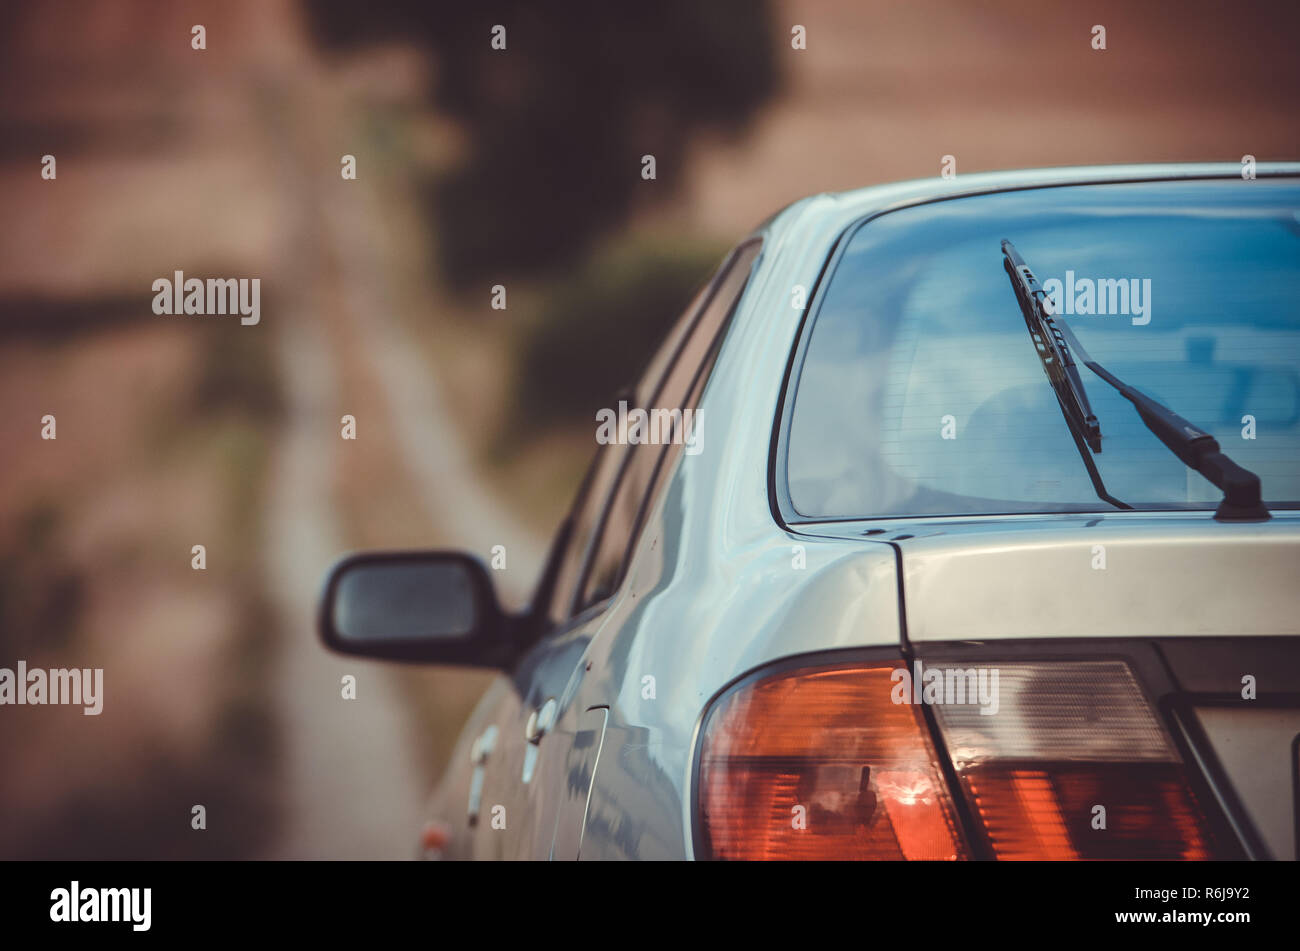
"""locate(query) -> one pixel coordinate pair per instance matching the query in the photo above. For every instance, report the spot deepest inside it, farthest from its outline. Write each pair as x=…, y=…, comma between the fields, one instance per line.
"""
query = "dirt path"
x=352, y=788
x=352, y=779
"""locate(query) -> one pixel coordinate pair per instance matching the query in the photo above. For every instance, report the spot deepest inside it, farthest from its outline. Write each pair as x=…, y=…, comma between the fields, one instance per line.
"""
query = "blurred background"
x=475, y=167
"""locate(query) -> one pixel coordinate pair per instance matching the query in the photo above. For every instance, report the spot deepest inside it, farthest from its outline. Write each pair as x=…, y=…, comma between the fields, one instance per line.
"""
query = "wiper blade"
x=1058, y=364
x=1052, y=348
x=1242, y=492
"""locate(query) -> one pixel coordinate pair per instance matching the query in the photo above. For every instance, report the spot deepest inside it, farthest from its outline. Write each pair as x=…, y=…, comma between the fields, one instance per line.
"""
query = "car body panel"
x=1257, y=748
x=579, y=768
x=1114, y=575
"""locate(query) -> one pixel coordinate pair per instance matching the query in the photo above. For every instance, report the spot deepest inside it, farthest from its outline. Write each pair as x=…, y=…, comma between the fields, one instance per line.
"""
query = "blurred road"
x=352, y=788
x=353, y=783
x=226, y=161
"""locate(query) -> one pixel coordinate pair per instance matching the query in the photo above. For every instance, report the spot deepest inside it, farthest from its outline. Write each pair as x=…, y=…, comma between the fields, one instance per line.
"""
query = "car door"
x=497, y=787
x=551, y=753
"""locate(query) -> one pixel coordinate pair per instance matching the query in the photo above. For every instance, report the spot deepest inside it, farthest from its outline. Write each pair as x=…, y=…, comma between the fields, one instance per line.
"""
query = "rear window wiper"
x=1059, y=366
x=1242, y=495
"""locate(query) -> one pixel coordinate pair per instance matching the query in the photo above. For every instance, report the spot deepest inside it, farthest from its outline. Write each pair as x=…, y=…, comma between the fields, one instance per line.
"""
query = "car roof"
x=849, y=206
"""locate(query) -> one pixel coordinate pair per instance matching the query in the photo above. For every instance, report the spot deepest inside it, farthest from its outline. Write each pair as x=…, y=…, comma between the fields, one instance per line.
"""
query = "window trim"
x=694, y=389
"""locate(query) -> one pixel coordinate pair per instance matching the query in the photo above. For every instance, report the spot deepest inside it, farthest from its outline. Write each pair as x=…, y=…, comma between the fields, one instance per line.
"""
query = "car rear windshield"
x=919, y=390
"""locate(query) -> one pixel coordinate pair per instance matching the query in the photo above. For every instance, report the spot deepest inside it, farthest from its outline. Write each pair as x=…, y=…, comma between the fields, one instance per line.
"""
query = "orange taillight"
x=823, y=764
x=1055, y=759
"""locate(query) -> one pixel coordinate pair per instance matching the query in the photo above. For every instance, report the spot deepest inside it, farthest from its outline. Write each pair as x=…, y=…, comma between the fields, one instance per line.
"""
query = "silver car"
x=955, y=519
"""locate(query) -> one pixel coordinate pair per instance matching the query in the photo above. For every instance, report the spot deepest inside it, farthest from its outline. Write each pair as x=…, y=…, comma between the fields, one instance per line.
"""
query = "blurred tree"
x=558, y=121
x=596, y=330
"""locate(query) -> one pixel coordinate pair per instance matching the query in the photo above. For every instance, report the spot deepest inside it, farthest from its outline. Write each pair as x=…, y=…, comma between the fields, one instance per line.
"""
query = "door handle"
x=540, y=721
x=539, y=724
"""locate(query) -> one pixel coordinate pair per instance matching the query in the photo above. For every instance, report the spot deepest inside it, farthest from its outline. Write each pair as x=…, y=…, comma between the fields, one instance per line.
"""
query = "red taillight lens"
x=823, y=764
x=1052, y=813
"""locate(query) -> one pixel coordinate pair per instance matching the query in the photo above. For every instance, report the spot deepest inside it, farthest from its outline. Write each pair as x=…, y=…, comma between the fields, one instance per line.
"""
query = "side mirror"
x=435, y=607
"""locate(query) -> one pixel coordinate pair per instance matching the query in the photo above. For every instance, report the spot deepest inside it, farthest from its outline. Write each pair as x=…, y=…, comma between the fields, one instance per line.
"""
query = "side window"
x=667, y=414
x=604, y=472
x=585, y=519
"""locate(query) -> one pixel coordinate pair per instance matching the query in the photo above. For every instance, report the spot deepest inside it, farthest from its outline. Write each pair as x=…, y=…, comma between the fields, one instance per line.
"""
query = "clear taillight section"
x=1068, y=760
x=821, y=764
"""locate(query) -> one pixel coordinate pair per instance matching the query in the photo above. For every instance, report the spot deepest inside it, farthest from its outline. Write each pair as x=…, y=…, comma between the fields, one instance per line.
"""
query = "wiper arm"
x=1058, y=364
x=1242, y=493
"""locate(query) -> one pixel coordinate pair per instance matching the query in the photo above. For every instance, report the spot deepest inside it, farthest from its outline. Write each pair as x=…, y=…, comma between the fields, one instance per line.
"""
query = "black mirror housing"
x=432, y=607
